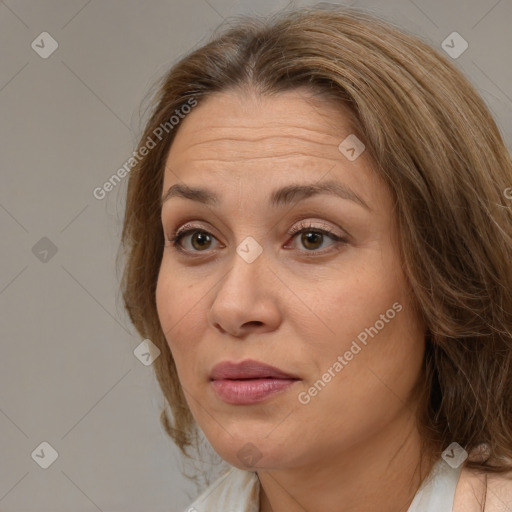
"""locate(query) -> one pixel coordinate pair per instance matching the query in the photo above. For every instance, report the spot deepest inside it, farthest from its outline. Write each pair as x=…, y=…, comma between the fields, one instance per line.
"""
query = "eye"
x=199, y=240
x=313, y=236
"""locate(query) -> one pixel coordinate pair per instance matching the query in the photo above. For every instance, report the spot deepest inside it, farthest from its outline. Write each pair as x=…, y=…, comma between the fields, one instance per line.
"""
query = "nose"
x=246, y=298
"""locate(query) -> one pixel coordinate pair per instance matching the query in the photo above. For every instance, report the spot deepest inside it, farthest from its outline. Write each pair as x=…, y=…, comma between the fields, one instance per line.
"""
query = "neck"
x=383, y=473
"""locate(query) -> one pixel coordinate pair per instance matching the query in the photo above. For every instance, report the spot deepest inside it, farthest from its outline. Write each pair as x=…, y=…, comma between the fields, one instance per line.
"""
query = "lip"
x=248, y=369
x=249, y=381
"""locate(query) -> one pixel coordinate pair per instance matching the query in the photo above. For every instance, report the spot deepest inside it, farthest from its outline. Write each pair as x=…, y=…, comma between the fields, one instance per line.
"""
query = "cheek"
x=171, y=305
x=373, y=381
x=353, y=301
x=367, y=315
x=179, y=308
x=173, y=295
x=165, y=302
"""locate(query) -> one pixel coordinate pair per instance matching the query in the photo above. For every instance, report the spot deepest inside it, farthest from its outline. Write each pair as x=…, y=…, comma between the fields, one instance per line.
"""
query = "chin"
x=252, y=452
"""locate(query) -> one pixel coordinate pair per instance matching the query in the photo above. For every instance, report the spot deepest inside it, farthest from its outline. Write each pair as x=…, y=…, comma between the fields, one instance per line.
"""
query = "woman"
x=318, y=242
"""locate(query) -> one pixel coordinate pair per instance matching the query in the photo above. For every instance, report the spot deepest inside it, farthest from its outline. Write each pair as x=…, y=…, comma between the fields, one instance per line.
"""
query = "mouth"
x=249, y=382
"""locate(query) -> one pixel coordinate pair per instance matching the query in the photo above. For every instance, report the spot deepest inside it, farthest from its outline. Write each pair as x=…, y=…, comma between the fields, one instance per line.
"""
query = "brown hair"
x=434, y=142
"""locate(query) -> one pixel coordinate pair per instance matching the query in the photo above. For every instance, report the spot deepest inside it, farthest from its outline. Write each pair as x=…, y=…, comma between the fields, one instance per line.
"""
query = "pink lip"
x=248, y=382
x=248, y=369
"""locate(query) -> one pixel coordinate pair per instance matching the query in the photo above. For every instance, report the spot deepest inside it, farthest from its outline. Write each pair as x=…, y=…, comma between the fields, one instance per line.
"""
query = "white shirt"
x=239, y=491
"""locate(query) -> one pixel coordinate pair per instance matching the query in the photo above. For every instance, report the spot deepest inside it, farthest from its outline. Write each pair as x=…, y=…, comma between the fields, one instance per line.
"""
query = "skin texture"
x=477, y=492
x=355, y=445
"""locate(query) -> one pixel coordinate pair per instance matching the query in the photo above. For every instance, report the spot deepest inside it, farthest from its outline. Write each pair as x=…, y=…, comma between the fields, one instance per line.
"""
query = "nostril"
x=220, y=328
x=255, y=322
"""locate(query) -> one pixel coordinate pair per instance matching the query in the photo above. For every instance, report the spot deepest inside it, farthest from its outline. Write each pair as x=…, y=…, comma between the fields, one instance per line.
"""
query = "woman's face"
x=329, y=307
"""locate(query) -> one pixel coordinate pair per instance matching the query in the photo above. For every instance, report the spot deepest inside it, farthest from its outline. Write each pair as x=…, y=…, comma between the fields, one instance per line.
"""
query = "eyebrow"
x=280, y=197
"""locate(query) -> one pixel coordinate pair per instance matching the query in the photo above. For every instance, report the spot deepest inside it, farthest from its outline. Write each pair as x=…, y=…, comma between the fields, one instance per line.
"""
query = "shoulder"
x=499, y=492
x=235, y=489
x=478, y=491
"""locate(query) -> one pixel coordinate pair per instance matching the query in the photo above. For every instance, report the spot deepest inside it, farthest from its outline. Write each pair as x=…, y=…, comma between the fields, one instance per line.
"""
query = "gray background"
x=68, y=373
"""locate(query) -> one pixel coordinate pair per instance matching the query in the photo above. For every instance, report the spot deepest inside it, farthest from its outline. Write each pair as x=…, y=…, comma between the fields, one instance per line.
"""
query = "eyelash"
x=302, y=228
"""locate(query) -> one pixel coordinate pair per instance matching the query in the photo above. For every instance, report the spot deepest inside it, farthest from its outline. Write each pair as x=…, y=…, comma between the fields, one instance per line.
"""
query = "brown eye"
x=311, y=239
x=200, y=240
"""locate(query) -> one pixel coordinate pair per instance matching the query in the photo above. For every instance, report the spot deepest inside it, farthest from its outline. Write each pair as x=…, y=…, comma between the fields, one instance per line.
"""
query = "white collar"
x=239, y=491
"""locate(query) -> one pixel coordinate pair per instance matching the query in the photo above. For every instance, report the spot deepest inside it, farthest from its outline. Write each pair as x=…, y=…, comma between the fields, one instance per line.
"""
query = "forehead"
x=233, y=136
x=249, y=125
